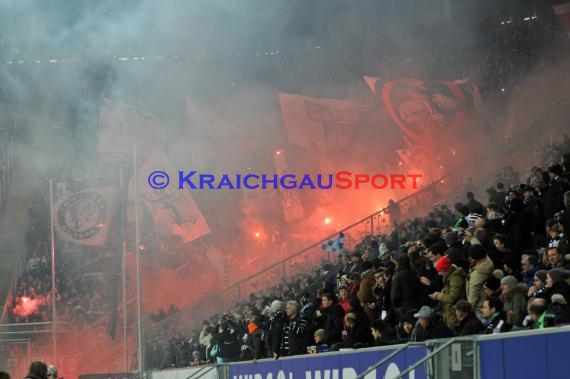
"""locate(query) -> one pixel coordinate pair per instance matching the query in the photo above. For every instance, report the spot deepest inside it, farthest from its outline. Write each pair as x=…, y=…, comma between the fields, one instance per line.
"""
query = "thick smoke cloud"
x=232, y=58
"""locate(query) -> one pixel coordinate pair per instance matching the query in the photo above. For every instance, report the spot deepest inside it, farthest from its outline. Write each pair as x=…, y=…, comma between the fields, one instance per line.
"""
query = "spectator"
x=37, y=370
x=296, y=332
x=333, y=319
x=429, y=326
x=320, y=338
x=481, y=268
x=513, y=296
x=453, y=289
x=556, y=283
x=537, y=311
x=468, y=323
x=495, y=320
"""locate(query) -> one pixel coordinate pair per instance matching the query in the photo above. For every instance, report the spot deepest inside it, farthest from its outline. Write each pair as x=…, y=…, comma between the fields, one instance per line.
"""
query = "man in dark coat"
x=468, y=323
x=405, y=292
x=296, y=333
x=333, y=319
x=554, y=196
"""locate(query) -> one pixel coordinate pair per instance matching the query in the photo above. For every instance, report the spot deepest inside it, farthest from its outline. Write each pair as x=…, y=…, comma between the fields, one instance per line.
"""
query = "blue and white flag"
x=335, y=245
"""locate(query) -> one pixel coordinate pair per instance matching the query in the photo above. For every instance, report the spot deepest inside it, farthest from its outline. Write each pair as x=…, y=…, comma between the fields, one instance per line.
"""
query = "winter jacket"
x=453, y=291
x=477, y=276
x=515, y=301
x=405, y=291
x=470, y=325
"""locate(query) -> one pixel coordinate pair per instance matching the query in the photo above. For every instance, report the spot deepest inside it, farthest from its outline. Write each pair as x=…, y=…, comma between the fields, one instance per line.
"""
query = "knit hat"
x=557, y=275
x=541, y=275
x=342, y=287
x=510, y=281
x=492, y=283
x=443, y=264
x=320, y=333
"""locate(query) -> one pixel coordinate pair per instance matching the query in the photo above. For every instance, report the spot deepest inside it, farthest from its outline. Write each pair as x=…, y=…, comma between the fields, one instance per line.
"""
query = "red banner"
x=423, y=109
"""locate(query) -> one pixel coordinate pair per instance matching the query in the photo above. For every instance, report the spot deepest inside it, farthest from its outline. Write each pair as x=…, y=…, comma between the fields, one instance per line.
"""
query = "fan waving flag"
x=174, y=212
x=321, y=124
x=423, y=109
x=85, y=217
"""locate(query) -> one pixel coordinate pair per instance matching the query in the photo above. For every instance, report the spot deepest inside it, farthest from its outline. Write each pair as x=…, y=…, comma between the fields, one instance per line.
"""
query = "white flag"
x=173, y=210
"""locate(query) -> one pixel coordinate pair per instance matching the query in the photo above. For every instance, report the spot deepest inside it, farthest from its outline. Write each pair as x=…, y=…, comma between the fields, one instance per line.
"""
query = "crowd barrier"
x=527, y=354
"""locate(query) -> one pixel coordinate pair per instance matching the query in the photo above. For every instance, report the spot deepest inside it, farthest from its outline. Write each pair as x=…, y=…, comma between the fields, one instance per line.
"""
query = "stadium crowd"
x=479, y=269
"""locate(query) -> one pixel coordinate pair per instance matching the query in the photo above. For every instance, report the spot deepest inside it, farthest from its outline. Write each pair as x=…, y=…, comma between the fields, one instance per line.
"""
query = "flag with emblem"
x=85, y=217
x=320, y=124
x=174, y=212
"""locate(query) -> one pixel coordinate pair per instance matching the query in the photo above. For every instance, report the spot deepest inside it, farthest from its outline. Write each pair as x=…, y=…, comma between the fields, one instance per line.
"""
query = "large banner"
x=174, y=212
x=424, y=110
x=121, y=126
x=335, y=366
x=326, y=125
x=85, y=217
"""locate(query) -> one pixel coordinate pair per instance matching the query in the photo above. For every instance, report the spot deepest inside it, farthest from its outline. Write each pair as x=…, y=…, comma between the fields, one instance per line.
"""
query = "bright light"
x=327, y=220
x=453, y=152
x=440, y=166
x=257, y=234
x=25, y=299
x=279, y=152
x=400, y=163
x=382, y=213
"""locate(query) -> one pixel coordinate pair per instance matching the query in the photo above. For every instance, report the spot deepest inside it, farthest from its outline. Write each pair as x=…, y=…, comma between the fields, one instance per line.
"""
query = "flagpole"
x=138, y=263
x=53, y=291
x=124, y=268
